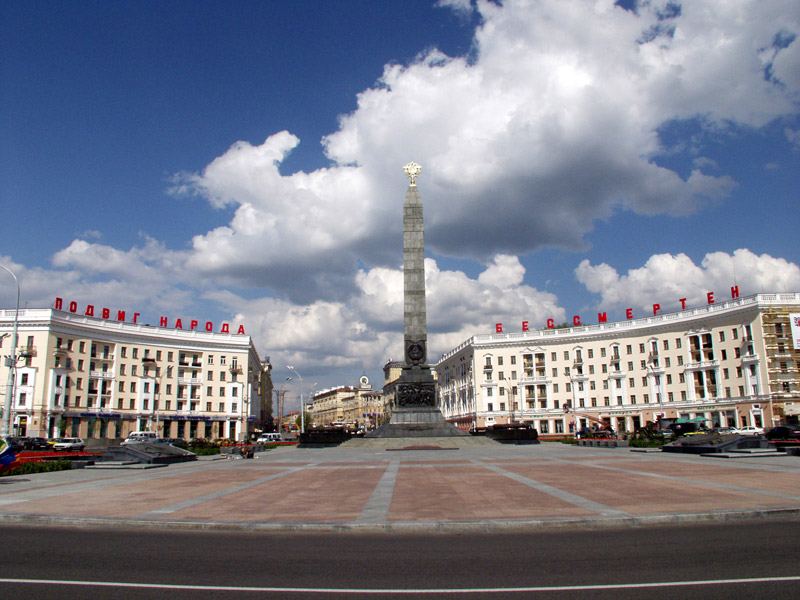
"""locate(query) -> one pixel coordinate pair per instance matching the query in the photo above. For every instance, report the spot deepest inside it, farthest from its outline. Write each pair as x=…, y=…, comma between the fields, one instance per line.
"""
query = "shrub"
x=41, y=466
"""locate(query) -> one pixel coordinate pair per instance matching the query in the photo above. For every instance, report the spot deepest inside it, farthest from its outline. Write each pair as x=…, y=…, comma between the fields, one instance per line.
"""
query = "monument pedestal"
x=417, y=423
x=415, y=413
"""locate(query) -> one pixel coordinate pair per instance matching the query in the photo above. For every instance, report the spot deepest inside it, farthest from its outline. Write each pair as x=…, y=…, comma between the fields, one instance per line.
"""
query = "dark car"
x=36, y=443
x=17, y=444
x=784, y=432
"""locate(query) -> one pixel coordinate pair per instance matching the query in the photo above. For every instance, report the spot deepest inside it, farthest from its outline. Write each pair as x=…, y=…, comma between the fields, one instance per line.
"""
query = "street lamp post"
x=302, y=402
x=11, y=363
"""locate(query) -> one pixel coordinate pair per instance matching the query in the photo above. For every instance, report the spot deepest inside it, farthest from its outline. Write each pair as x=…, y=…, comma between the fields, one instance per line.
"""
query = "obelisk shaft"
x=415, y=320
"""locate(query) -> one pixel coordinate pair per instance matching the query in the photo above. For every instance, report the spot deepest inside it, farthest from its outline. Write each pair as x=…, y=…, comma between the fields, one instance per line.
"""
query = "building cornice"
x=693, y=317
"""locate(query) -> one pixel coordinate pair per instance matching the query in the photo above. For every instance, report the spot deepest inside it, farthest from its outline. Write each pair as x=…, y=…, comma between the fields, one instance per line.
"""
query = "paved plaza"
x=443, y=485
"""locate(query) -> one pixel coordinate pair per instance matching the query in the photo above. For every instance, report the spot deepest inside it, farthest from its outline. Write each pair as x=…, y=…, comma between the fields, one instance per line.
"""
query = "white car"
x=750, y=430
x=69, y=444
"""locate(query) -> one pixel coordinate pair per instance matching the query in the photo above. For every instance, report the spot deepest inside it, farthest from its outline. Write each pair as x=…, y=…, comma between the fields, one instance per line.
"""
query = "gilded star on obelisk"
x=412, y=170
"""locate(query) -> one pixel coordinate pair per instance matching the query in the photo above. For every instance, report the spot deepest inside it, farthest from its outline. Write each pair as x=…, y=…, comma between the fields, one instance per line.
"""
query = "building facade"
x=360, y=406
x=94, y=378
x=733, y=363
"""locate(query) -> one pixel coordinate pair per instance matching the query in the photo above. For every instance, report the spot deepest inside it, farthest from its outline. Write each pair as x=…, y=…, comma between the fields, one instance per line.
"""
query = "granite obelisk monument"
x=415, y=413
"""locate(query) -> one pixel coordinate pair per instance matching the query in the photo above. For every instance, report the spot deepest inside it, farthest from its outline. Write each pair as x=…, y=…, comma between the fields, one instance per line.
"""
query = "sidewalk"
x=459, y=486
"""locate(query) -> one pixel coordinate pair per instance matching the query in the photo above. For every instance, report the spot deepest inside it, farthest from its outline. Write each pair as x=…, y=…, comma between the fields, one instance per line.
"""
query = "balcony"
x=235, y=369
x=701, y=365
x=189, y=381
x=101, y=374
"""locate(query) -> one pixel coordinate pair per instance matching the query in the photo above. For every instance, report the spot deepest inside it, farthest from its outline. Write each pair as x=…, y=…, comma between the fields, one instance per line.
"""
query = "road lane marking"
x=406, y=591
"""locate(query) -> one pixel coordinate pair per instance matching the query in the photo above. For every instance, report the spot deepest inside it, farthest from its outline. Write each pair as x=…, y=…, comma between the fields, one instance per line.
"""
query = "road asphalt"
x=437, y=485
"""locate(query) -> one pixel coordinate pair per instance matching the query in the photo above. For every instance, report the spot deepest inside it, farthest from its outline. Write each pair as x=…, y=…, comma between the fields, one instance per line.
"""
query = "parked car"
x=140, y=437
x=17, y=444
x=36, y=443
x=750, y=430
x=724, y=430
x=784, y=432
x=269, y=438
x=69, y=444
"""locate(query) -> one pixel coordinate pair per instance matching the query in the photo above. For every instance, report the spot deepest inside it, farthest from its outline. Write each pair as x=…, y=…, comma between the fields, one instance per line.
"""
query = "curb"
x=409, y=527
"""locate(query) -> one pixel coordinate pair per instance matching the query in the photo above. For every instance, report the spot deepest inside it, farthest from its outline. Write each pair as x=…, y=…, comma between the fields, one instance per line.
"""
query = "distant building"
x=733, y=363
x=348, y=405
x=95, y=378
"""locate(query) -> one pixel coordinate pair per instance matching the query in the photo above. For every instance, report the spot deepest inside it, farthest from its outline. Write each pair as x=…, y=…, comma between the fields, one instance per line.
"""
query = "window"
x=234, y=392
x=169, y=388
x=158, y=354
x=133, y=386
x=489, y=392
x=132, y=404
x=591, y=352
x=80, y=364
x=210, y=376
x=513, y=360
x=135, y=353
x=222, y=392
x=632, y=382
x=553, y=356
x=208, y=406
x=222, y=360
x=677, y=342
x=133, y=370
x=490, y=407
x=209, y=391
x=502, y=406
x=169, y=357
x=724, y=355
x=641, y=348
x=221, y=407
x=122, y=369
x=499, y=361
x=566, y=354
x=222, y=375
x=721, y=336
x=667, y=362
x=123, y=352
x=82, y=347
x=121, y=386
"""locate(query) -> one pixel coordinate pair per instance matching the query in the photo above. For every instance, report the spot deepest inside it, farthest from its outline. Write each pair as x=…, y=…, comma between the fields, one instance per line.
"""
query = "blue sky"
x=242, y=162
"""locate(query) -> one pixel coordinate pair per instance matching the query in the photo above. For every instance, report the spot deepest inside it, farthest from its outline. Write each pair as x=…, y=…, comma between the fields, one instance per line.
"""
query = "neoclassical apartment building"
x=348, y=405
x=732, y=363
x=98, y=378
